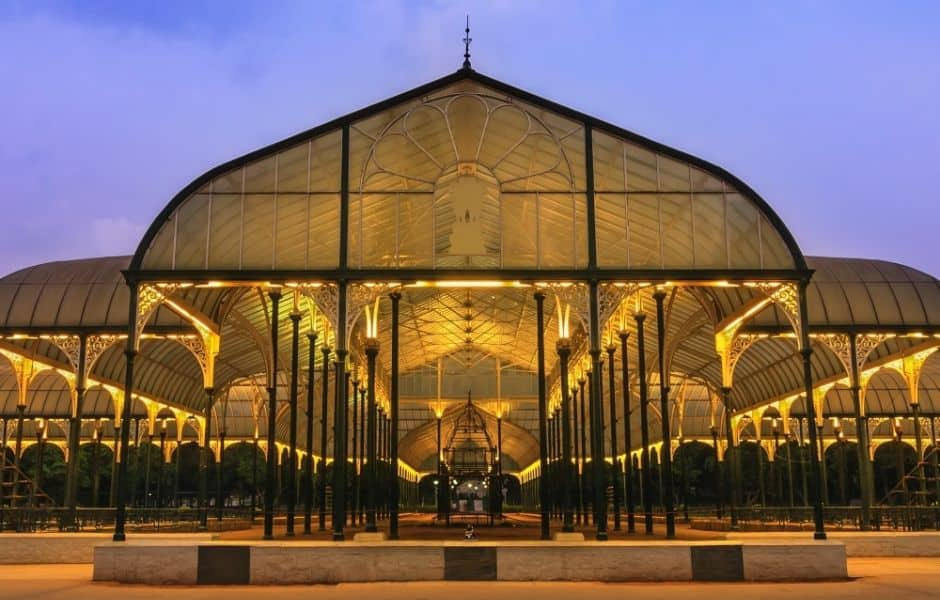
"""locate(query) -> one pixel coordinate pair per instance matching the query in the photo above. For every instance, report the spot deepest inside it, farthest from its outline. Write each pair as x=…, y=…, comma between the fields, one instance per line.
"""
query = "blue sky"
x=830, y=110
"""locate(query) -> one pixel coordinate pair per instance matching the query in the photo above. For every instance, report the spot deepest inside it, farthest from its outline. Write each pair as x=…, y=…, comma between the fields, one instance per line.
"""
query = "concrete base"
x=167, y=562
x=863, y=543
x=570, y=536
x=369, y=536
x=68, y=548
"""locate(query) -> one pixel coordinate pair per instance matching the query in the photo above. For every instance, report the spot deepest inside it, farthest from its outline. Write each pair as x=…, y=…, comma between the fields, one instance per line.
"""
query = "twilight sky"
x=830, y=110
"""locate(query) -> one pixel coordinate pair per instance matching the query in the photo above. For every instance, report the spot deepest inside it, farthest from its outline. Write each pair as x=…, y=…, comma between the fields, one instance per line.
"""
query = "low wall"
x=215, y=563
x=65, y=548
x=860, y=544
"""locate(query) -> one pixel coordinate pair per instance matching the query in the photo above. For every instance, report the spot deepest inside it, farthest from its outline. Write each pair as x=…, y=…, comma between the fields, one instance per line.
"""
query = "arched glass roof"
x=467, y=173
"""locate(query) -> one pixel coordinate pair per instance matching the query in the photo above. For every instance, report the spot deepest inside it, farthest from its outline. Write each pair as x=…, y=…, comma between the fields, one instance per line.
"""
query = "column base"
x=568, y=536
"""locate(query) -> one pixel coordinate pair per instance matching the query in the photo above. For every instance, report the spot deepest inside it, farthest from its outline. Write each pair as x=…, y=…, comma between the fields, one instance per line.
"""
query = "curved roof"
x=852, y=292
x=407, y=164
x=70, y=295
x=419, y=446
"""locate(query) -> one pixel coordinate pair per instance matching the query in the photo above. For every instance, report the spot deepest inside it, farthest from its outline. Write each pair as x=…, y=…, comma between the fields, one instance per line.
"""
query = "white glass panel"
x=519, y=230
x=378, y=230
x=414, y=236
x=609, y=173
x=325, y=162
x=775, y=252
x=467, y=115
x=743, y=233
x=291, y=235
x=259, y=175
x=673, y=175
x=323, y=231
x=225, y=231
x=711, y=250
x=676, y=213
x=643, y=216
x=229, y=183
x=258, y=242
x=160, y=253
x=641, y=169
x=192, y=231
x=611, y=214
x=292, y=169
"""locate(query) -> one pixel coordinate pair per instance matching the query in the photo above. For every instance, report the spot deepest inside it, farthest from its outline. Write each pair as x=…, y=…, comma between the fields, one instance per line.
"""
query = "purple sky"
x=830, y=110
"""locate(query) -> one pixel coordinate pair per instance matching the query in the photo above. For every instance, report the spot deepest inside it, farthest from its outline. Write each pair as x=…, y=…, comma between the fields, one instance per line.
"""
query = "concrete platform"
x=215, y=563
x=68, y=548
x=871, y=544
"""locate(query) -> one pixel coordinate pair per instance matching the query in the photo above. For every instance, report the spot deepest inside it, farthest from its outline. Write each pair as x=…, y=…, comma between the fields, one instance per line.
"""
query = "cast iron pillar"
x=567, y=479
x=731, y=457
x=807, y=351
x=665, y=454
x=612, y=393
x=271, y=465
x=292, y=419
x=544, y=500
x=372, y=350
x=308, y=466
x=395, y=297
x=647, y=483
x=627, y=434
x=865, y=475
x=324, y=409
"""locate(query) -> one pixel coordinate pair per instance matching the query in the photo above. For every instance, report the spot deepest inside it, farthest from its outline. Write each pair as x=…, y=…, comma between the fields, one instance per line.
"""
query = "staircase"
x=907, y=490
x=19, y=490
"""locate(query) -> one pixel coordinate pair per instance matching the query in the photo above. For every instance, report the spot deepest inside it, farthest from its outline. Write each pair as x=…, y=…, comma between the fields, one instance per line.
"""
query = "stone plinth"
x=216, y=563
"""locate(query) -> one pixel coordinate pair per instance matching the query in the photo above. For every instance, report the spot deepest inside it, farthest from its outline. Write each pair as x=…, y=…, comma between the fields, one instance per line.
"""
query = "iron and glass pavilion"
x=503, y=287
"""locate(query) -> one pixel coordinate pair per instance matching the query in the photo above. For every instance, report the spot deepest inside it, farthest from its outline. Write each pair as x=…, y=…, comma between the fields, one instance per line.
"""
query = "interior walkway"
x=909, y=578
x=516, y=526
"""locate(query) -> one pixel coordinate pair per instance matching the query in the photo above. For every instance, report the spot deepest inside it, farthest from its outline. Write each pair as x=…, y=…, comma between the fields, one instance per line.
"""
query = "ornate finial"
x=466, y=45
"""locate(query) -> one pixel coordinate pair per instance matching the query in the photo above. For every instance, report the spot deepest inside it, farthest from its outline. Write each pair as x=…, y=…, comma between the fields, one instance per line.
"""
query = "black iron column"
x=665, y=454
x=807, y=351
x=865, y=475
x=567, y=479
x=292, y=424
x=395, y=297
x=598, y=472
x=75, y=433
x=919, y=443
x=254, y=475
x=219, y=491
x=308, y=467
x=205, y=453
x=732, y=456
x=372, y=350
x=438, y=491
x=544, y=500
x=719, y=476
x=824, y=470
x=612, y=393
x=577, y=396
x=647, y=482
x=358, y=423
x=324, y=429
x=159, y=471
x=340, y=408
x=271, y=465
x=120, y=451
x=627, y=434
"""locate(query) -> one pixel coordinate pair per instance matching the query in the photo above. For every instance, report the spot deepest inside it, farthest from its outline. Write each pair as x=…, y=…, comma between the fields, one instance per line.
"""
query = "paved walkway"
x=516, y=526
x=907, y=578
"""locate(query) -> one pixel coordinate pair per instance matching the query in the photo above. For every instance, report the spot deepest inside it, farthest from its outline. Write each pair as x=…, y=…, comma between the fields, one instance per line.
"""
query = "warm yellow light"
x=468, y=284
x=563, y=312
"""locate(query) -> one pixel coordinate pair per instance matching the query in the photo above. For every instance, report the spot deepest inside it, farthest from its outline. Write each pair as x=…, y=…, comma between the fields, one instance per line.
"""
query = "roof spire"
x=466, y=45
